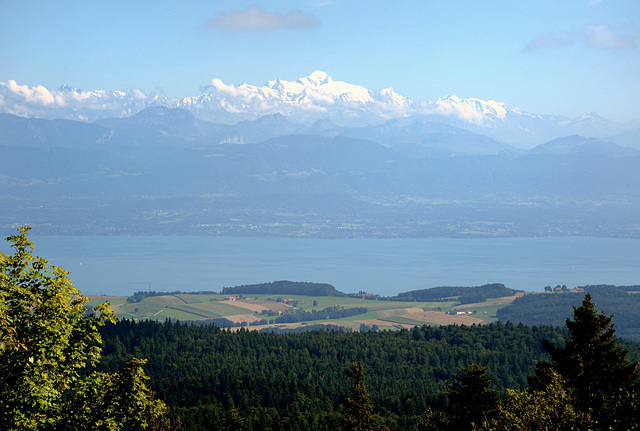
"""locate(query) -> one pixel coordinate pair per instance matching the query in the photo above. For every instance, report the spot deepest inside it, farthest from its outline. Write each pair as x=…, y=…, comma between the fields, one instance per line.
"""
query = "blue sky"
x=546, y=57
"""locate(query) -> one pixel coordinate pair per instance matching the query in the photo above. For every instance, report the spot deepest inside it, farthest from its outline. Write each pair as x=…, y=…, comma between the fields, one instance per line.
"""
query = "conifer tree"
x=471, y=398
x=357, y=414
x=233, y=421
x=596, y=370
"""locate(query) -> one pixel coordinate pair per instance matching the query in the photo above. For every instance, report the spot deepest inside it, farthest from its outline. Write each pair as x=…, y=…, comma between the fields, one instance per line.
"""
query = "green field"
x=247, y=309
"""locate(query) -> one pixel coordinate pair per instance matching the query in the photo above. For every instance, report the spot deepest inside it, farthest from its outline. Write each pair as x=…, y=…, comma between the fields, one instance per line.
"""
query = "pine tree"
x=471, y=398
x=357, y=414
x=233, y=421
x=604, y=382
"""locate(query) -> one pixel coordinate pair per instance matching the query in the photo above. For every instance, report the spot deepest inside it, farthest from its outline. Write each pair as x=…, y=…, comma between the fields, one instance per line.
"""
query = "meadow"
x=249, y=310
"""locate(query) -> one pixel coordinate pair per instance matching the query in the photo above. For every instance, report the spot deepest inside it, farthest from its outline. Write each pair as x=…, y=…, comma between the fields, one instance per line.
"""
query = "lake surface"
x=121, y=265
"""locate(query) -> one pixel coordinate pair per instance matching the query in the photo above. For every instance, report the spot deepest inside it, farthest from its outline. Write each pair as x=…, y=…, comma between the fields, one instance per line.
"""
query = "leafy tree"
x=357, y=414
x=604, y=382
x=114, y=402
x=551, y=408
x=432, y=420
x=50, y=336
x=470, y=397
x=47, y=339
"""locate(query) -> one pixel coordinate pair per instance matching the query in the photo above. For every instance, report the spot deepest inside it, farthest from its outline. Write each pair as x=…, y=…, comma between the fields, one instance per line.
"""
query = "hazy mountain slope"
x=310, y=99
x=172, y=173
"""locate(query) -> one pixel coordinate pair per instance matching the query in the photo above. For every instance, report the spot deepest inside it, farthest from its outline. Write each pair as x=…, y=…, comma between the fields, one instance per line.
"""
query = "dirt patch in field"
x=399, y=312
x=238, y=318
x=256, y=305
x=267, y=305
x=440, y=318
x=116, y=308
x=384, y=323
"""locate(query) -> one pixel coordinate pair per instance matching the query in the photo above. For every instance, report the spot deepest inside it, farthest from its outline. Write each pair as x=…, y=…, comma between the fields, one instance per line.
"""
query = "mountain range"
x=308, y=101
x=165, y=171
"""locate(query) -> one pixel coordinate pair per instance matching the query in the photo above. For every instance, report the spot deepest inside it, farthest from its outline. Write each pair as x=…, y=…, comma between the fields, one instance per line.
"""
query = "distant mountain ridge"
x=306, y=101
x=163, y=170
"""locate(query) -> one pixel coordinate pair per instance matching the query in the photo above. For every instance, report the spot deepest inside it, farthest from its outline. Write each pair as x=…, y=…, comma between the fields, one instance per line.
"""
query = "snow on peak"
x=473, y=111
x=310, y=98
x=317, y=78
x=305, y=100
x=70, y=102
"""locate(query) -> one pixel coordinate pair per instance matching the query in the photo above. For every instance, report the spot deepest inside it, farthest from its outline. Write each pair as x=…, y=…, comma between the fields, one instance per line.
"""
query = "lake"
x=121, y=265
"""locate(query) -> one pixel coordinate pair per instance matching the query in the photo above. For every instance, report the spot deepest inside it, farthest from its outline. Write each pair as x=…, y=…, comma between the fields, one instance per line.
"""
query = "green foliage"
x=48, y=336
x=233, y=421
x=48, y=340
x=300, y=376
x=472, y=293
x=114, y=402
x=285, y=287
x=357, y=412
x=592, y=365
x=550, y=408
x=554, y=309
x=432, y=420
x=335, y=312
x=472, y=400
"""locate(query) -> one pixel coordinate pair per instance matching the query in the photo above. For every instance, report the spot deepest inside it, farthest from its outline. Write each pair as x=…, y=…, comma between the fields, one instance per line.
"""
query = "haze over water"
x=122, y=265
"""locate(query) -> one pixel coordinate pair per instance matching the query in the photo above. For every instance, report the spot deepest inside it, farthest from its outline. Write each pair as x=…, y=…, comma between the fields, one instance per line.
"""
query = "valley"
x=258, y=312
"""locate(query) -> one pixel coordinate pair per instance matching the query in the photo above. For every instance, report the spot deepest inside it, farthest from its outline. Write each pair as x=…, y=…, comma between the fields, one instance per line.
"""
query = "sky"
x=564, y=57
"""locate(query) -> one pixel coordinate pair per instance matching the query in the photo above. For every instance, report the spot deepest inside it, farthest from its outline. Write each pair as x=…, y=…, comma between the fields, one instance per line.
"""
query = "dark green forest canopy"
x=555, y=308
x=406, y=370
x=284, y=287
x=201, y=371
x=494, y=290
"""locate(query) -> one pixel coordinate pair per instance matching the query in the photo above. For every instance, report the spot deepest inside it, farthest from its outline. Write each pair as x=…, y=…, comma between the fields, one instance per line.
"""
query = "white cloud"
x=70, y=103
x=38, y=95
x=548, y=41
x=599, y=36
x=255, y=18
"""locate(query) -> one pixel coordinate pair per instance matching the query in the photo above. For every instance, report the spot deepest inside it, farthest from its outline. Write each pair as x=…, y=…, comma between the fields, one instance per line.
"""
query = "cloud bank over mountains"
x=308, y=99
x=305, y=101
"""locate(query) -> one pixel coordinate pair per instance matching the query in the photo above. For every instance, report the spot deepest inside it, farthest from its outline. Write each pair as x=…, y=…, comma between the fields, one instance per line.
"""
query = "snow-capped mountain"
x=72, y=103
x=306, y=100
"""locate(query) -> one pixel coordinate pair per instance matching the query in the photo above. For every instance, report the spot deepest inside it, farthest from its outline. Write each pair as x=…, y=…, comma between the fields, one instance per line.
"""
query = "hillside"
x=163, y=171
x=260, y=311
x=553, y=308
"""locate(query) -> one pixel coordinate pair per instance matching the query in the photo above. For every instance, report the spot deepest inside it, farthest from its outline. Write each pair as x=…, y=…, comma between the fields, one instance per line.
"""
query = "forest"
x=285, y=287
x=297, y=381
x=62, y=367
x=623, y=302
x=203, y=370
x=467, y=294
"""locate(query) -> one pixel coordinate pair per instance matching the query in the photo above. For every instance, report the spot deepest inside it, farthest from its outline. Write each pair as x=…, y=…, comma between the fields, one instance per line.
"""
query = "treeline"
x=223, y=322
x=284, y=287
x=335, y=312
x=296, y=381
x=140, y=295
x=466, y=294
x=555, y=308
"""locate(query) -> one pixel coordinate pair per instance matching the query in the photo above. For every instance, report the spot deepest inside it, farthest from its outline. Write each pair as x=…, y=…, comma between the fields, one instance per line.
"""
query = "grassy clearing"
x=405, y=321
x=247, y=308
